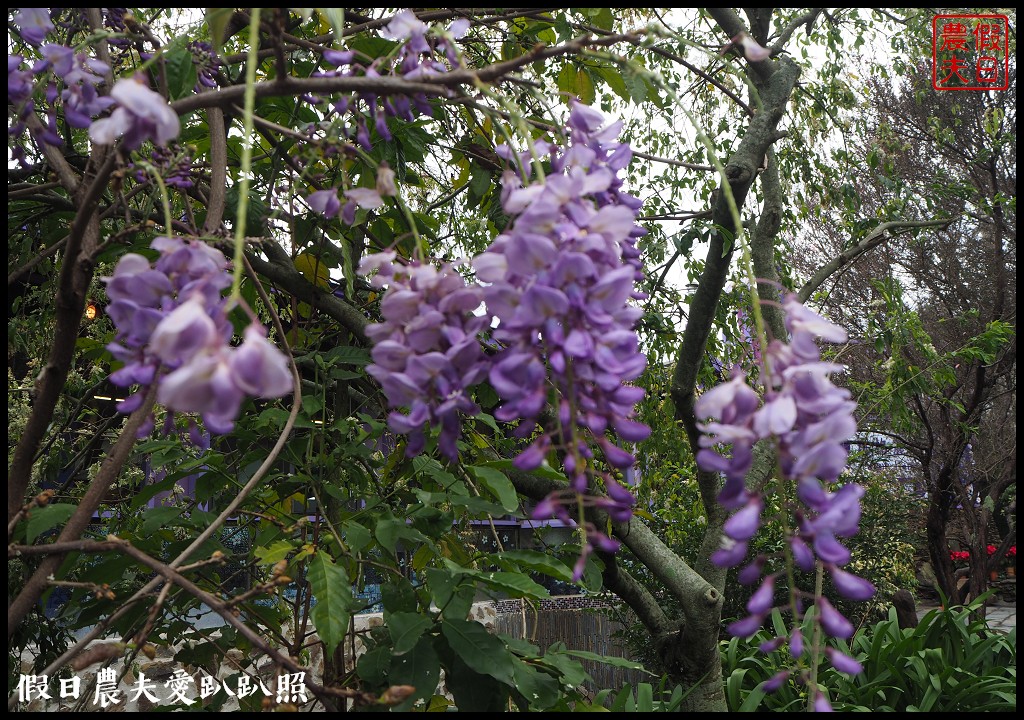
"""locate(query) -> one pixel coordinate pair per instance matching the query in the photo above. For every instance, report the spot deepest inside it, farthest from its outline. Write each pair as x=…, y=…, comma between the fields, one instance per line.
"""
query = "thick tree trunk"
x=693, y=660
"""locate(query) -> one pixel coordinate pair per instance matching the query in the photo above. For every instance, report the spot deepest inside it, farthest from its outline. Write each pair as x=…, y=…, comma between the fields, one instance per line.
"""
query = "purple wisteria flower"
x=172, y=329
x=19, y=80
x=141, y=115
x=559, y=281
x=34, y=24
x=809, y=419
x=174, y=165
x=426, y=352
x=79, y=99
x=422, y=52
x=206, y=62
x=325, y=202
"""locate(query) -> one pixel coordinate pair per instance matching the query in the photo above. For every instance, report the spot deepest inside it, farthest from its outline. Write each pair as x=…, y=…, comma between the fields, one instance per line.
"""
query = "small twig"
x=31, y=190
x=20, y=606
x=669, y=161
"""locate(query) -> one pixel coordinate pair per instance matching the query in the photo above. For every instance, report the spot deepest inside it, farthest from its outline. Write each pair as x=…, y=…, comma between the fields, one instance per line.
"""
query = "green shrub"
x=949, y=663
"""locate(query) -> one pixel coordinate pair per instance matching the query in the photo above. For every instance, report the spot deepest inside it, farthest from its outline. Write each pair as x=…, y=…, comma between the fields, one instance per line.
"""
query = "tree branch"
x=29, y=595
x=432, y=85
x=636, y=596
x=75, y=275
x=281, y=271
x=807, y=19
x=762, y=246
x=218, y=171
x=873, y=240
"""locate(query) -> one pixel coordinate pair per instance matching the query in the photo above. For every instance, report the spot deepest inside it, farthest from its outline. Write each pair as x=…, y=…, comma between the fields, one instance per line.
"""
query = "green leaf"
x=274, y=552
x=346, y=355
x=636, y=86
x=398, y=596
x=44, y=518
x=499, y=485
x=181, y=72
x=373, y=665
x=538, y=688
x=420, y=668
x=474, y=691
x=544, y=471
x=432, y=469
x=357, y=536
x=603, y=19
x=479, y=649
x=405, y=629
x=584, y=87
x=390, y=530
x=442, y=584
x=313, y=269
x=613, y=77
x=479, y=182
x=512, y=583
x=644, y=697
x=566, y=80
x=536, y=561
x=217, y=20
x=156, y=518
x=608, y=660
x=333, y=592
x=570, y=669
x=336, y=16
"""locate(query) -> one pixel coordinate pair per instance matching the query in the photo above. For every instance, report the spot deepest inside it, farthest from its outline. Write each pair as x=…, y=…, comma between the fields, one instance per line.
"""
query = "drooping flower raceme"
x=558, y=282
x=422, y=52
x=79, y=100
x=809, y=419
x=172, y=329
x=426, y=353
x=33, y=24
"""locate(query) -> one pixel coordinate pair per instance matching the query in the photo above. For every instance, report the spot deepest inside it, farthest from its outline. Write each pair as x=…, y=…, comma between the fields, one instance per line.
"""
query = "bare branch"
x=874, y=239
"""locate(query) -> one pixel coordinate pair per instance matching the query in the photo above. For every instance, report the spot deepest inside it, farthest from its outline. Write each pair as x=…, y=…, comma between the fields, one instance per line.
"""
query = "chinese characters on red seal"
x=970, y=52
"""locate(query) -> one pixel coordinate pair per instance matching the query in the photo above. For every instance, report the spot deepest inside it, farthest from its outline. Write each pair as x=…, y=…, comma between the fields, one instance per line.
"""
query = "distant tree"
x=927, y=283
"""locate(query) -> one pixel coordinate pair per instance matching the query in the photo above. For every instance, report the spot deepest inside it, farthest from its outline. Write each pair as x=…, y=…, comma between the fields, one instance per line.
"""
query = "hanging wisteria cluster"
x=172, y=329
x=809, y=419
x=427, y=352
x=419, y=55
x=556, y=287
x=72, y=80
x=170, y=315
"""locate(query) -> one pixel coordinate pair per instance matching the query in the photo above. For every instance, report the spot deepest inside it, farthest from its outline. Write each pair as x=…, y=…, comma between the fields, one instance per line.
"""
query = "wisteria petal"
x=832, y=621
x=851, y=586
x=843, y=663
x=744, y=524
x=746, y=627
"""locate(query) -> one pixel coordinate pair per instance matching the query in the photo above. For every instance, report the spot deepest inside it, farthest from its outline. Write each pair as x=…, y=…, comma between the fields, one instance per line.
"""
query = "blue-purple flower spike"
x=809, y=419
x=172, y=329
